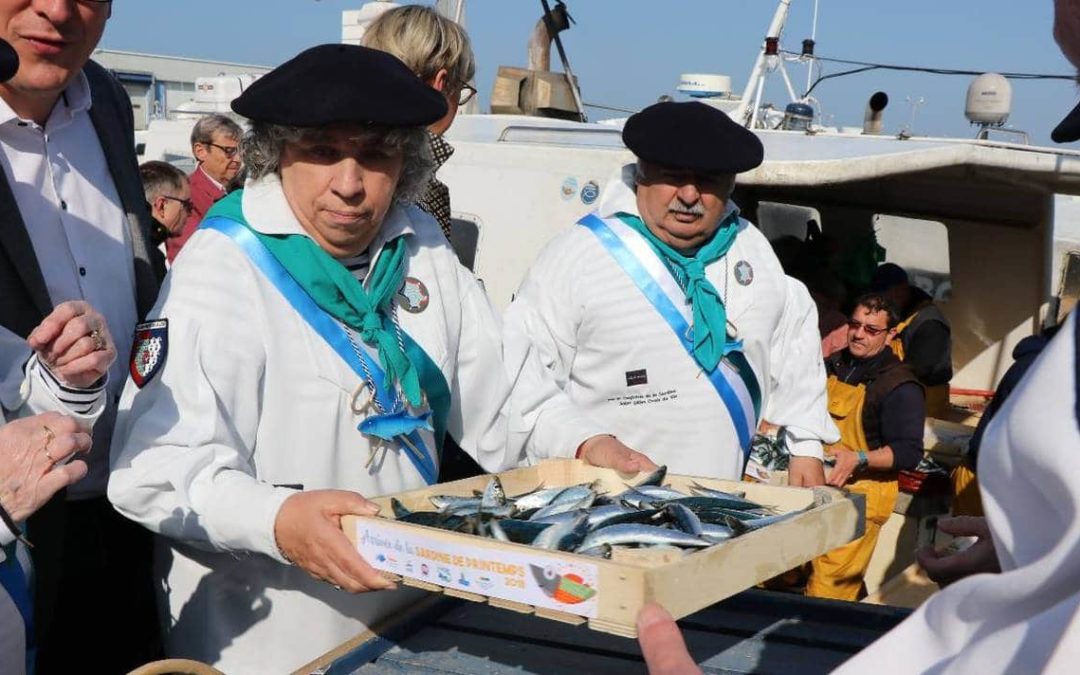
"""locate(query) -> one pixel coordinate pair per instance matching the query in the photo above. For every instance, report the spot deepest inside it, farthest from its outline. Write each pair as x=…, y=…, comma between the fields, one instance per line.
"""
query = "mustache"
x=676, y=206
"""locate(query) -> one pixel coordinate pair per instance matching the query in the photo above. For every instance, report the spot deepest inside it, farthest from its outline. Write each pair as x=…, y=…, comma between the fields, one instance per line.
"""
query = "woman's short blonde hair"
x=425, y=41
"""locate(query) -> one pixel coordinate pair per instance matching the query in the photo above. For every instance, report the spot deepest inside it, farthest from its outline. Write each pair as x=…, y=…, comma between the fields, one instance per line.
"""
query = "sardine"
x=716, y=533
x=613, y=514
x=564, y=536
x=399, y=509
x=701, y=503
x=541, y=497
x=522, y=531
x=496, y=531
x=655, y=478
x=636, y=534
x=683, y=518
x=658, y=492
x=703, y=491
x=443, y=502
x=740, y=527
x=494, y=495
x=583, y=502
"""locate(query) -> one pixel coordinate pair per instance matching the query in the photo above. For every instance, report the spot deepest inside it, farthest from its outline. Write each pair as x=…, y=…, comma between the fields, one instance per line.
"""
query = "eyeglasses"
x=872, y=331
x=466, y=93
x=230, y=151
x=185, y=204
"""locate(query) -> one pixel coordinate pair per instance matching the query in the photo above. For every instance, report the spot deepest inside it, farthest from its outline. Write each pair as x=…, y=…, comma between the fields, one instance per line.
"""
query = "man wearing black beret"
x=667, y=317
x=324, y=338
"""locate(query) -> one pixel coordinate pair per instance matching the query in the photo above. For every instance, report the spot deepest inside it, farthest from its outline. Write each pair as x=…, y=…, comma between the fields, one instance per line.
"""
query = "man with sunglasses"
x=215, y=141
x=879, y=407
x=76, y=228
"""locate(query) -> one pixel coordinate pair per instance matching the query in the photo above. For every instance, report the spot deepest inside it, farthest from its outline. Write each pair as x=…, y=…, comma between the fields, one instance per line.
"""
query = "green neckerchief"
x=710, y=317
x=338, y=293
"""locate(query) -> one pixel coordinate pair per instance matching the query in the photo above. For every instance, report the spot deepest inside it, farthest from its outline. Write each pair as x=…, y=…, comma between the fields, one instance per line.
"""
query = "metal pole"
x=565, y=64
x=813, y=36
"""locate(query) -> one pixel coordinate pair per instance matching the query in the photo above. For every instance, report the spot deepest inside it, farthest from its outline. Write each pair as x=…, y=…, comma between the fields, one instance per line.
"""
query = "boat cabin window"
x=919, y=246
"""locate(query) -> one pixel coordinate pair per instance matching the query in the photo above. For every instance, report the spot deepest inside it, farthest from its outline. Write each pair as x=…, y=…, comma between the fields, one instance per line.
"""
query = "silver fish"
x=703, y=491
x=612, y=514
x=496, y=531
x=583, y=502
x=443, y=502
x=640, y=535
x=602, y=551
x=716, y=533
x=494, y=495
x=564, y=536
x=740, y=527
x=655, y=478
x=504, y=511
x=658, y=492
x=683, y=518
x=541, y=497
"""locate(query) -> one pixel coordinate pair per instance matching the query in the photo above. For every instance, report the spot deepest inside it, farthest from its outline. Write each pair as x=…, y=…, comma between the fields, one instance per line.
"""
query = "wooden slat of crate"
x=684, y=585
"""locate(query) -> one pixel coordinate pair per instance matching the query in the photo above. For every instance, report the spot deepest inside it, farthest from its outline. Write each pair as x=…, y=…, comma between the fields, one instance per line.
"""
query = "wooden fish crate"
x=607, y=594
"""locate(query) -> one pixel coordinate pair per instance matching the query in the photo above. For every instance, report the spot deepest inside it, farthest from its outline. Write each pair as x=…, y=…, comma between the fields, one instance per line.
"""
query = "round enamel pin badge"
x=413, y=296
x=744, y=273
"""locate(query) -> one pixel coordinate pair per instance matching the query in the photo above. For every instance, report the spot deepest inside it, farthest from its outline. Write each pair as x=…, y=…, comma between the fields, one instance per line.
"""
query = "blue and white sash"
x=733, y=378
x=328, y=329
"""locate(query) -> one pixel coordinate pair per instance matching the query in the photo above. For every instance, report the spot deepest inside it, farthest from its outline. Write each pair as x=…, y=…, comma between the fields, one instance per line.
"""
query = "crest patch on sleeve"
x=149, y=350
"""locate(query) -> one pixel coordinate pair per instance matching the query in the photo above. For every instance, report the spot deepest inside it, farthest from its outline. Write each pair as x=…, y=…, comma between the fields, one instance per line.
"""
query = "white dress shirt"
x=61, y=181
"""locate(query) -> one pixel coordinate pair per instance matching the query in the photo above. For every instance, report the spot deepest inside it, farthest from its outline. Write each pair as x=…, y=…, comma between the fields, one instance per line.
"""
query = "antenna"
x=813, y=40
x=915, y=103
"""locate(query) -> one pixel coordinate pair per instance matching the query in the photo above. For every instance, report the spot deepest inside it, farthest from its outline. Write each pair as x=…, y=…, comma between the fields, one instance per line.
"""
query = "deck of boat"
x=754, y=632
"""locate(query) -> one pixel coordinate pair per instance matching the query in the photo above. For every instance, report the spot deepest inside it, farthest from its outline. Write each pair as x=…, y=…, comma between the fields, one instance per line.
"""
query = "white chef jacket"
x=251, y=404
x=27, y=388
x=618, y=359
x=1027, y=618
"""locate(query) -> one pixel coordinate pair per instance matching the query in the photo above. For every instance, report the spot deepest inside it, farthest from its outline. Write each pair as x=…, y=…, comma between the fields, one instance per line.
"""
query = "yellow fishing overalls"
x=839, y=573
x=937, y=396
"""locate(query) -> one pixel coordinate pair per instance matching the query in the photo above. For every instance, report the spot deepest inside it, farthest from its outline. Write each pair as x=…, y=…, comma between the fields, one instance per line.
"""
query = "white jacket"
x=596, y=332
x=251, y=404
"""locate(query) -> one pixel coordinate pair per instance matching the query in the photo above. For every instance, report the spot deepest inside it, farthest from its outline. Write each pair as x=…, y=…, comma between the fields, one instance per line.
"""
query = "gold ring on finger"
x=50, y=435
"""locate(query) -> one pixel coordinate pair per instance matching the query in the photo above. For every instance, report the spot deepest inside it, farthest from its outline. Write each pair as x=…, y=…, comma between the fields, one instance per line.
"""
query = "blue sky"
x=628, y=52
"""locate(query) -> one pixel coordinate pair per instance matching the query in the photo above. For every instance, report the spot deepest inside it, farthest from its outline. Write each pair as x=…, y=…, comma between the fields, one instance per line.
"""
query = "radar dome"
x=704, y=85
x=989, y=100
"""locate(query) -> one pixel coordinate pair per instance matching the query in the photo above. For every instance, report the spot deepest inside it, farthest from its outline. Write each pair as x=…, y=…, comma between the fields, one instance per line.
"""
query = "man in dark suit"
x=74, y=226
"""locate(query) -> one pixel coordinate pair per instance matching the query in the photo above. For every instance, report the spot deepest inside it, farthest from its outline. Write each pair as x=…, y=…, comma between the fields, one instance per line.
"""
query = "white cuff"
x=43, y=391
x=799, y=445
x=242, y=514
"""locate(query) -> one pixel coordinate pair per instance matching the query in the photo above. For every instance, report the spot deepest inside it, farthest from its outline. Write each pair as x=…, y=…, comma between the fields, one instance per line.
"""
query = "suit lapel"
x=119, y=155
x=15, y=241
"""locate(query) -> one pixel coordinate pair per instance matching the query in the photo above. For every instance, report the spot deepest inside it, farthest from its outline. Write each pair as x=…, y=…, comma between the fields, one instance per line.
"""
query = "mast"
x=745, y=113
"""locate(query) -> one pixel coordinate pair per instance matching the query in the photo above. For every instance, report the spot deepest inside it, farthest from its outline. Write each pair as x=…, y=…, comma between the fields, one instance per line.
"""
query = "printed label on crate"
x=532, y=579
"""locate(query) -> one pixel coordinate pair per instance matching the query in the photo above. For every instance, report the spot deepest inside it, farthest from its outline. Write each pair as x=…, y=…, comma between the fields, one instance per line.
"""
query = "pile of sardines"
x=583, y=520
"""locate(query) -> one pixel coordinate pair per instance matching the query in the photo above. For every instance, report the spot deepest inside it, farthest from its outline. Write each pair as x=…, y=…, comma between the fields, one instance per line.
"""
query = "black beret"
x=1069, y=128
x=692, y=136
x=338, y=83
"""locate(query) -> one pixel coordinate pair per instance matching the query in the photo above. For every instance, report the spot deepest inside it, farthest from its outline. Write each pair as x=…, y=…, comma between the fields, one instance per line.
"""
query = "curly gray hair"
x=262, y=145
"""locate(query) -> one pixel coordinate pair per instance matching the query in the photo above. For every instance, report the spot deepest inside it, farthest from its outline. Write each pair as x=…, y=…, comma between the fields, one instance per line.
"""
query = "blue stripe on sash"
x=652, y=291
x=326, y=327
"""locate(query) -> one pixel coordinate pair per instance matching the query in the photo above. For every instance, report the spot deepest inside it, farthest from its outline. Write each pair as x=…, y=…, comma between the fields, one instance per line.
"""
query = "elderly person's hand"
x=33, y=452
x=805, y=472
x=662, y=644
x=945, y=567
x=74, y=343
x=308, y=533
x=609, y=452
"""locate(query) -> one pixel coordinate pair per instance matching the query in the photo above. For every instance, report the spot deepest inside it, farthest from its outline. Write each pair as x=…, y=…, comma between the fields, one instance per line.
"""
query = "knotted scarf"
x=338, y=293
x=710, y=317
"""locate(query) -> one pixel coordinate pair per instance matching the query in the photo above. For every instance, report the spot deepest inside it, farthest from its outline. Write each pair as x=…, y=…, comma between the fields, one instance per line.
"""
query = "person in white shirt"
x=58, y=404
x=668, y=318
x=313, y=344
x=76, y=227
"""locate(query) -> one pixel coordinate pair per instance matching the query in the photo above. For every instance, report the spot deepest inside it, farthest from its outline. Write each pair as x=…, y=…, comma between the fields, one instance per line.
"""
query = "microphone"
x=9, y=61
